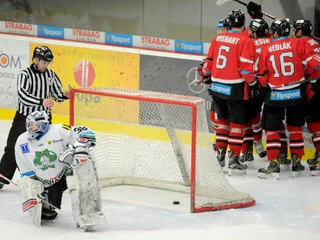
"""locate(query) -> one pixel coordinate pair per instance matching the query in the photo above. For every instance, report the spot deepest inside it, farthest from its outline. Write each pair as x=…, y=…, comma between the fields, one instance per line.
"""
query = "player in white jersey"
x=49, y=158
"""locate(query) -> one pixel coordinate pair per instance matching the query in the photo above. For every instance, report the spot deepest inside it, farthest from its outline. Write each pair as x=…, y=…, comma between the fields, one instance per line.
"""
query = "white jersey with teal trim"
x=40, y=157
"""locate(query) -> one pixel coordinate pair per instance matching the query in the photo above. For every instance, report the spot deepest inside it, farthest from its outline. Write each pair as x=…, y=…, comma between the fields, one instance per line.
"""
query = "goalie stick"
x=56, y=209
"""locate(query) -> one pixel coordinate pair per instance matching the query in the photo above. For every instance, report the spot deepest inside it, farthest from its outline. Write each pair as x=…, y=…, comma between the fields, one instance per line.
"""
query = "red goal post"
x=158, y=140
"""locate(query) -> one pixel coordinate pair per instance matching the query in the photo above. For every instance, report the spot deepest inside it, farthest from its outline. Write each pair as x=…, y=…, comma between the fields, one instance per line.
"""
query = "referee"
x=38, y=87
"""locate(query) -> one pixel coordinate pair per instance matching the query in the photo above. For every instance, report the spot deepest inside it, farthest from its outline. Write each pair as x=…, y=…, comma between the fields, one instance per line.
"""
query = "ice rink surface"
x=286, y=209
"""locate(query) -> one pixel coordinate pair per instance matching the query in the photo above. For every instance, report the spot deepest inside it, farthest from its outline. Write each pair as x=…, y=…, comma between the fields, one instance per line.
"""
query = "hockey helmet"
x=236, y=18
x=304, y=25
x=282, y=27
x=224, y=23
x=43, y=53
x=37, y=124
x=260, y=27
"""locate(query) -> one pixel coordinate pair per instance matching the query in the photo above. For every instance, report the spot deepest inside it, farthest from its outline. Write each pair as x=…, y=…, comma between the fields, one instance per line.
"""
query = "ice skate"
x=214, y=147
x=247, y=159
x=221, y=157
x=235, y=167
x=284, y=161
x=314, y=165
x=297, y=167
x=273, y=169
x=260, y=149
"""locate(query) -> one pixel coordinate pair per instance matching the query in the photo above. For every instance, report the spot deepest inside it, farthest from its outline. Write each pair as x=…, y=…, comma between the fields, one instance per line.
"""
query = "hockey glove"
x=66, y=156
x=254, y=89
x=81, y=151
x=254, y=10
x=87, y=136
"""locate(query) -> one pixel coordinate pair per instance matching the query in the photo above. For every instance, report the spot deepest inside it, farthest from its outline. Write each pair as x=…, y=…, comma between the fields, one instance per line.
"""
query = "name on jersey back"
x=277, y=47
x=227, y=39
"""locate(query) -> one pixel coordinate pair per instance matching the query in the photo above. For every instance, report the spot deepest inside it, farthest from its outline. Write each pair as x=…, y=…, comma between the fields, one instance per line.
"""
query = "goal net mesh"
x=157, y=140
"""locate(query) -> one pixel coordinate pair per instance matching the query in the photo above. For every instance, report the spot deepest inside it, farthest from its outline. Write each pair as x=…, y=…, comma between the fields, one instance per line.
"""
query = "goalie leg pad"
x=30, y=188
x=36, y=213
x=85, y=195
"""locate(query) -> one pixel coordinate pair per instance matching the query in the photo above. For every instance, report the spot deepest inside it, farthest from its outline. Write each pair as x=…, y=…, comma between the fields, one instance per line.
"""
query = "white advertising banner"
x=153, y=43
x=18, y=28
x=14, y=56
x=84, y=35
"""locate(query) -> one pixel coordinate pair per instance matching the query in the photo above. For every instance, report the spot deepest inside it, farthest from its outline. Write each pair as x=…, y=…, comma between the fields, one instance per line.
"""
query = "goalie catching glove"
x=78, y=153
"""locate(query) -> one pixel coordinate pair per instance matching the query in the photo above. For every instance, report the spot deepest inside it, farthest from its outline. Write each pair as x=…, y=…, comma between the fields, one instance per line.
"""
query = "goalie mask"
x=37, y=124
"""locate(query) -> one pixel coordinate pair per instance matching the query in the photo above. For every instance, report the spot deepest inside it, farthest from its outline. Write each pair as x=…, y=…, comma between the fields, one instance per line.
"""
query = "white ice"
x=286, y=209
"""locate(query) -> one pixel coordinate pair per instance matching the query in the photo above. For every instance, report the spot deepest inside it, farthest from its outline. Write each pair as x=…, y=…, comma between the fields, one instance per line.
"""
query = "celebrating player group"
x=263, y=79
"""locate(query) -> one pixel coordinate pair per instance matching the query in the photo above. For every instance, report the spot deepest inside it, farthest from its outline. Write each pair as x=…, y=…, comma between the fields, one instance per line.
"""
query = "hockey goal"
x=157, y=140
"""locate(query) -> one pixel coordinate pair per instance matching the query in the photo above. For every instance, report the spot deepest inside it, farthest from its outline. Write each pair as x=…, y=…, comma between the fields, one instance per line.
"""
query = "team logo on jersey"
x=221, y=88
x=45, y=160
x=285, y=95
x=25, y=148
x=50, y=80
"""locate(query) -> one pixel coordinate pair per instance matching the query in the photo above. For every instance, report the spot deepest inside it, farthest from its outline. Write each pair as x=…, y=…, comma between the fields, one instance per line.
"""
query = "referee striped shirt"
x=34, y=86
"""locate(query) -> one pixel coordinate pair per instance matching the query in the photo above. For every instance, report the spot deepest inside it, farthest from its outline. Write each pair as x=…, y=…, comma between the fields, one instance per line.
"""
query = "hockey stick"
x=8, y=180
x=220, y=2
x=297, y=82
x=56, y=209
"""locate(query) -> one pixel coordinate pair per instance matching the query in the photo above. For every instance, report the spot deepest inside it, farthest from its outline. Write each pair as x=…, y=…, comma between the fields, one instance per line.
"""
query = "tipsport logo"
x=118, y=39
x=285, y=95
x=221, y=88
x=51, y=32
x=10, y=61
x=189, y=47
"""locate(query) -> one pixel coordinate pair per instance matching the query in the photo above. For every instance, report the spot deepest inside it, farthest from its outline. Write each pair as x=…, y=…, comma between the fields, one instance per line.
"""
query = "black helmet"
x=304, y=25
x=236, y=18
x=43, y=53
x=260, y=27
x=282, y=27
x=224, y=23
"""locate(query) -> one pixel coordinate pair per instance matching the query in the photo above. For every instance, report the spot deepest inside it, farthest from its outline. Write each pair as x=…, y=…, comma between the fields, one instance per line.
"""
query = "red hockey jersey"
x=230, y=62
x=284, y=61
x=311, y=44
x=261, y=44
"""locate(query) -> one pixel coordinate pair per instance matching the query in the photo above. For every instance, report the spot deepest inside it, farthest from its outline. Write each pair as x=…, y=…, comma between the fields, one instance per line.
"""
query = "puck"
x=176, y=202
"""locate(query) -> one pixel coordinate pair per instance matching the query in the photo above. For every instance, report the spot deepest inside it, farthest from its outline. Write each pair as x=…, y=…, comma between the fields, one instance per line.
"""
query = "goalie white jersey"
x=40, y=157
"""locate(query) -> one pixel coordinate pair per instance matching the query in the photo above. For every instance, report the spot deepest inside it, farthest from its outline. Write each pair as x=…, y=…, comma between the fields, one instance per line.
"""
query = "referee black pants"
x=8, y=163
